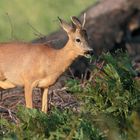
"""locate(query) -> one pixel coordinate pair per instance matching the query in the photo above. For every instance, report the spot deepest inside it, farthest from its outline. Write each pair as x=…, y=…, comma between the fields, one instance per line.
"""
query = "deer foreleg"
x=45, y=101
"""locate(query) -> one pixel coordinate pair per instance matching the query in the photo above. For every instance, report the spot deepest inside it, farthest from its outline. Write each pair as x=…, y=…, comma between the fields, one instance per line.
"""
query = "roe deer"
x=39, y=65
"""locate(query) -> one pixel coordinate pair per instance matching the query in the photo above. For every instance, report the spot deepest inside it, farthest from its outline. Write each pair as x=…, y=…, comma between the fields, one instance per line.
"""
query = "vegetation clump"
x=109, y=107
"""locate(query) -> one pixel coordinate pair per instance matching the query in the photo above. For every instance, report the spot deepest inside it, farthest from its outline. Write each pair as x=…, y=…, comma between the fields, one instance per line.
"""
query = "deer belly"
x=14, y=78
x=48, y=81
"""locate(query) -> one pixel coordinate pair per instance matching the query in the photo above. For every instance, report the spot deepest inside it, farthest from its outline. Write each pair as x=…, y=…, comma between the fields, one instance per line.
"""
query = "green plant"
x=57, y=125
x=109, y=108
x=113, y=90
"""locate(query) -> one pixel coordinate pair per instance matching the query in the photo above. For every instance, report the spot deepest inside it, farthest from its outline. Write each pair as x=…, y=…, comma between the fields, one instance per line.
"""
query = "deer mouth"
x=88, y=53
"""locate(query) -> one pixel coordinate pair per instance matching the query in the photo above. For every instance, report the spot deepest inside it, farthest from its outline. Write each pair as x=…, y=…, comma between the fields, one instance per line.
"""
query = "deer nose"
x=90, y=51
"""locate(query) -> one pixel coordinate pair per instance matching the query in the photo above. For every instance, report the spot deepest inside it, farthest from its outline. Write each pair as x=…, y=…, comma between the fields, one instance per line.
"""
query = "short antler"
x=65, y=25
x=76, y=22
x=84, y=20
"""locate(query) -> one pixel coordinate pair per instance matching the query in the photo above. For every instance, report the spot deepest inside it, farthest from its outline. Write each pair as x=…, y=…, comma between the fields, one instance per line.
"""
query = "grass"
x=17, y=17
x=109, y=108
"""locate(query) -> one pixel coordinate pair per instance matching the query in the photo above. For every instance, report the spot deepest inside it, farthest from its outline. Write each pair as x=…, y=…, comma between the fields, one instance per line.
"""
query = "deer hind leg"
x=28, y=95
x=45, y=100
x=6, y=84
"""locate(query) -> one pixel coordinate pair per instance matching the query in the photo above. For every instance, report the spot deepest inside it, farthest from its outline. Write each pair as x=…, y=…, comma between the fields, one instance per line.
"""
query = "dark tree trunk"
x=110, y=25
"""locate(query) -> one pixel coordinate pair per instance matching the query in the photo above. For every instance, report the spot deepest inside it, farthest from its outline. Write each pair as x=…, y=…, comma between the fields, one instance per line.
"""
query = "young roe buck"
x=39, y=65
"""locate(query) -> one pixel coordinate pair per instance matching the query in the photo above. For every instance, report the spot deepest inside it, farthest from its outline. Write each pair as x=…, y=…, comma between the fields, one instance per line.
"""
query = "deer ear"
x=76, y=22
x=65, y=25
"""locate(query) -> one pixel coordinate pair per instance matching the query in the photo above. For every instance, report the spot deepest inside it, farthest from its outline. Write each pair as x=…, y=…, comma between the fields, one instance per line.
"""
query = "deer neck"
x=66, y=56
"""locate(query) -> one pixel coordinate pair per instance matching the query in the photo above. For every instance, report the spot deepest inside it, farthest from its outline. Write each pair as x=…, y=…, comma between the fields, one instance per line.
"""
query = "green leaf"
x=111, y=109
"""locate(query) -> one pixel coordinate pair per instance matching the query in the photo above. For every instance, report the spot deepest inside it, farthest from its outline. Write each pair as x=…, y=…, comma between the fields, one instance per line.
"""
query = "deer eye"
x=78, y=40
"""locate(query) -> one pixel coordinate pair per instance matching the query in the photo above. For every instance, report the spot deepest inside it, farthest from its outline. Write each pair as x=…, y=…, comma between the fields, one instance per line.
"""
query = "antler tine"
x=84, y=20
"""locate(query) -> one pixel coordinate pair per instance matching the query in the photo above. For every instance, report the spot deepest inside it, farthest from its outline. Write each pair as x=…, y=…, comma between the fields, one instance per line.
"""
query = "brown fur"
x=38, y=65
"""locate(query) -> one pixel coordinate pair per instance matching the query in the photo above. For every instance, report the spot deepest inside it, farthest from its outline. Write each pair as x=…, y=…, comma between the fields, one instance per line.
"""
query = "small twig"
x=62, y=89
x=71, y=72
x=4, y=109
x=69, y=104
x=11, y=24
x=11, y=95
x=37, y=33
x=10, y=115
x=15, y=104
x=58, y=96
